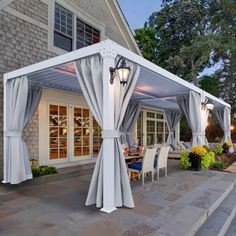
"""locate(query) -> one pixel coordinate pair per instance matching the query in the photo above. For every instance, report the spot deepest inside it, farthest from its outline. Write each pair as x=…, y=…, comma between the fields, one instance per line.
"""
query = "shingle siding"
x=99, y=10
x=32, y=8
x=23, y=43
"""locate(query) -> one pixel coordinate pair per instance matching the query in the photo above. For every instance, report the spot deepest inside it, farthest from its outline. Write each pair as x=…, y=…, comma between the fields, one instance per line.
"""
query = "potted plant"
x=195, y=157
x=226, y=146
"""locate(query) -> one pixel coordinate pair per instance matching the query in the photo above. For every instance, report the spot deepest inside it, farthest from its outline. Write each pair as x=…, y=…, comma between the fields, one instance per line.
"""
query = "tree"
x=188, y=36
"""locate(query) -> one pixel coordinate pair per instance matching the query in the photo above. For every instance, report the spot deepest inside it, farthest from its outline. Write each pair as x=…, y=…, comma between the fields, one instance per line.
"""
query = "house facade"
x=63, y=130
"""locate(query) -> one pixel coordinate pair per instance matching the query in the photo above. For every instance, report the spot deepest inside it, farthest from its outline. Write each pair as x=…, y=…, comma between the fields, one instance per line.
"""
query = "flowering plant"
x=140, y=149
x=201, y=151
x=126, y=149
x=227, y=145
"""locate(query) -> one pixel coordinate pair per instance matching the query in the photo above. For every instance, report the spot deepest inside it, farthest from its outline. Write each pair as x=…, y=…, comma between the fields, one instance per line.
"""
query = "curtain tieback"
x=171, y=133
x=111, y=134
x=227, y=133
x=199, y=133
x=14, y=134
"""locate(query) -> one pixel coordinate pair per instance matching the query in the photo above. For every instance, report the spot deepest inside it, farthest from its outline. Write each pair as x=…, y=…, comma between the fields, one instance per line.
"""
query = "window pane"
x=150, y=138
x=160, y=126
x=150, y=115
x=86, y=34
x=62, y=42
x=160, y=116
x=160, y=138
x=140, y=129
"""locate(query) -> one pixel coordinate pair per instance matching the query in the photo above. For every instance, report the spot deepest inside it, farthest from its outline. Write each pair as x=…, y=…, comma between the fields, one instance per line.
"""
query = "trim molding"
x=25, y=18
x=4, y=3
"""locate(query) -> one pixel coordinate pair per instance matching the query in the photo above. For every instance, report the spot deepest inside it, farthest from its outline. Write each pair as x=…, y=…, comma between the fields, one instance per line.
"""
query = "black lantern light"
x=123, y=71
x=207, y=104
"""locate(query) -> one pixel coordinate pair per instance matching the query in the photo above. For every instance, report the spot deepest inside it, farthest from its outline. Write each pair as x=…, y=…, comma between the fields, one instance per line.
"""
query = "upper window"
x=63, y=28
x=65, y=33
x=86, y=35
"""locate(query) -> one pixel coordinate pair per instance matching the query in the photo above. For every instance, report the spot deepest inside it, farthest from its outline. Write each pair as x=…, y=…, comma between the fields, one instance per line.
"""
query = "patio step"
x=232, y=228
x=202, y=205
x=219, y=221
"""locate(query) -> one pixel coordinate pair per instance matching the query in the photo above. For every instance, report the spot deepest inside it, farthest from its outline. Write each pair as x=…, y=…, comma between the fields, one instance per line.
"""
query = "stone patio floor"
x=57, y=208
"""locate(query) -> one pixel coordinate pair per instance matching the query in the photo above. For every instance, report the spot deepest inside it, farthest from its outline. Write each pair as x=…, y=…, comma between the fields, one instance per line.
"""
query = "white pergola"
x=149, y=84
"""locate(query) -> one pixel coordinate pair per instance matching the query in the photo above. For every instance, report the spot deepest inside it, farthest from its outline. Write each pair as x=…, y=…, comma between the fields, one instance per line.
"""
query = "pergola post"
x=108, y=141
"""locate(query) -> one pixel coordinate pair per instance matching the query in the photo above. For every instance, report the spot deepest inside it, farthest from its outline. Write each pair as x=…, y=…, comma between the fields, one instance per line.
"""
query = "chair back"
x=148, y=159
x=162, y=157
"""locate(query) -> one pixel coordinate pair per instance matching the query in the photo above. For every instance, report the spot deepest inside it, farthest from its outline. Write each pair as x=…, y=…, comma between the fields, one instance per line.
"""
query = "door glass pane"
x=81, y=132
x=97, y=137
x=140, y=129
x=58, y=131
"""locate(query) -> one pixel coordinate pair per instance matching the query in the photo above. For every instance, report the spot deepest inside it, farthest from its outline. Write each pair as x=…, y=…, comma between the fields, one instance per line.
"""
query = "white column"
x=108, y=143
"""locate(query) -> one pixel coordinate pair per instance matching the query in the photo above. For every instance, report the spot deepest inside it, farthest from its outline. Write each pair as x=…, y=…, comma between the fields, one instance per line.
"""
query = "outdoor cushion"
x=180, y=144
x=135, y=165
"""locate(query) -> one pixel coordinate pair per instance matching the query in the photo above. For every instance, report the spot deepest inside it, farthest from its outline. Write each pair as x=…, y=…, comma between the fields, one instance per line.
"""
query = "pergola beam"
x=153, y=98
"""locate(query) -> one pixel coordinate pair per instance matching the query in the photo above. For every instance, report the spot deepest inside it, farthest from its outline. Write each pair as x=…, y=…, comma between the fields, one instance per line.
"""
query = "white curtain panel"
x=172, y=117
x=22, y=101
x=223, y=116
x=123, y=194
x=127, y=126
x=89, y=73
x=190, y=105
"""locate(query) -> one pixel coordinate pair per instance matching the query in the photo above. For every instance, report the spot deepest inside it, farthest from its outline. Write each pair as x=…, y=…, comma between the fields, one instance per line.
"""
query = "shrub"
x=217, y=165
x=207, y=148
x=218, y=149
x=207, y=160
x=184, y=160
x=43, y=170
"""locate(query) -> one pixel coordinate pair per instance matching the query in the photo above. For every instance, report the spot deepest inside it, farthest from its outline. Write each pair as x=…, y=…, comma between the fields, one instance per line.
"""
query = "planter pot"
x=195, y=161
x=226, y=150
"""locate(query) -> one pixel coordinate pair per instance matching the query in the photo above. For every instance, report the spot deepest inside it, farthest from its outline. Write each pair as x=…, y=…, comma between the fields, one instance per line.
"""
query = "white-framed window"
x=70, y=29
x=63, y=26
x=151, y=127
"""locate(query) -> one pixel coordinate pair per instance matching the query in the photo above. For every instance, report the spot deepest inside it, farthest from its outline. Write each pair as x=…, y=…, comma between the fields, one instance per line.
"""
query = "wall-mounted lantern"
x=207, y=104
x=123, y=71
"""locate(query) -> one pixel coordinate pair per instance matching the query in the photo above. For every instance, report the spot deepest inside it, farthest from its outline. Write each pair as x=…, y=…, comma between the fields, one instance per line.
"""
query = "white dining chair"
x=162, y=160
x=144, y=166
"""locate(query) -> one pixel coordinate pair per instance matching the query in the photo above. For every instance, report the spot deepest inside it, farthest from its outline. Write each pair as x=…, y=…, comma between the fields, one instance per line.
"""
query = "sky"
x=137, y=12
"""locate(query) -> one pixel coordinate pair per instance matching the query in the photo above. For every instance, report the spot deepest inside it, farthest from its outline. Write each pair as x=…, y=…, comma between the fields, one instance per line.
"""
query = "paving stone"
x=104, y=228
x=139, y=230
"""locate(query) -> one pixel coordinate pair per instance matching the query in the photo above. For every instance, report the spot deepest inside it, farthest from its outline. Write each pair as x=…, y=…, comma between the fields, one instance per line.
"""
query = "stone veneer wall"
x=23, y=43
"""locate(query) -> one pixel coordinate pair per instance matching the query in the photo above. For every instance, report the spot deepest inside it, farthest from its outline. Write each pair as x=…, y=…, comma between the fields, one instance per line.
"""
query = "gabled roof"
x=123, y=26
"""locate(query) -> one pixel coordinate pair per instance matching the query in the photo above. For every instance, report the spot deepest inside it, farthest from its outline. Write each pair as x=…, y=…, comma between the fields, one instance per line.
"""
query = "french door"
x=73, y=134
